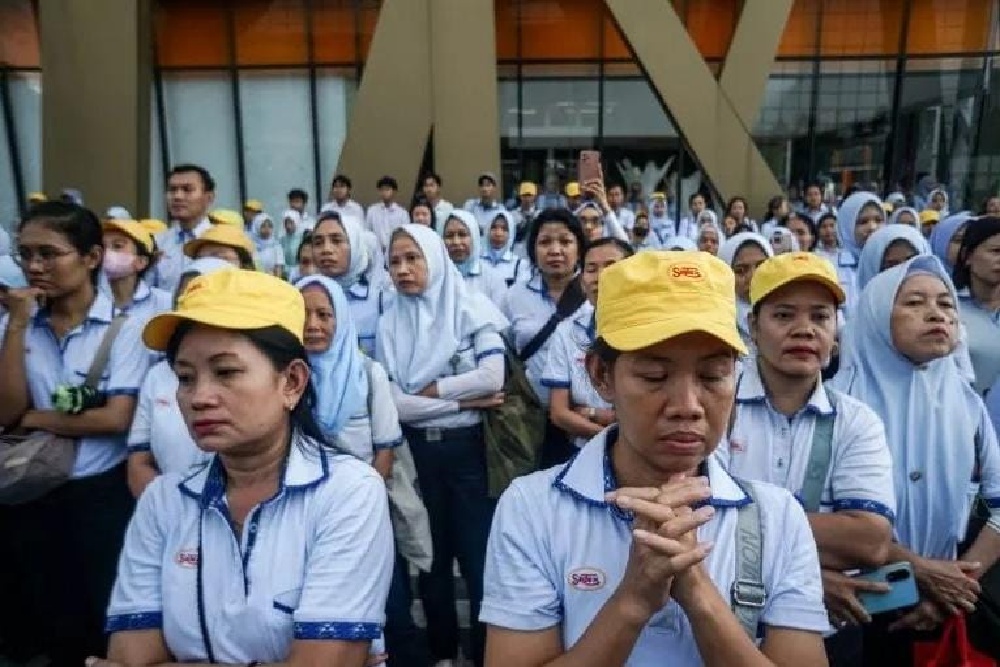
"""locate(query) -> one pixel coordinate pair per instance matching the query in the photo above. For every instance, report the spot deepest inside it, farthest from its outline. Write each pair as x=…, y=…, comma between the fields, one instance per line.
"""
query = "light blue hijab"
x=338, y=373
x=847, y=218
x=493, y=255
x=11, y=274
x=472, y=266
x=894, y=220
x=419, y=335
x=931, y=416
x=943, y=232
x=360, y=252
x=870, y=261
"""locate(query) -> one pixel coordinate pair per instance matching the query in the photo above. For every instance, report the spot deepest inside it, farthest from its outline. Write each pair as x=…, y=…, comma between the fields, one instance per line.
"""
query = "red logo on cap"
x=685, y=271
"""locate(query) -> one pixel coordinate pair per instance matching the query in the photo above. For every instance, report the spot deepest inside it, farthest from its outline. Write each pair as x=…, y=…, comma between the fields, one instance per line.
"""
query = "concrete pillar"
x=97, y=67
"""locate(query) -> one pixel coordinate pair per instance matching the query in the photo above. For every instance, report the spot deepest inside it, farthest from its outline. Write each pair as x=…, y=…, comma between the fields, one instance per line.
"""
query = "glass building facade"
x=260, y=92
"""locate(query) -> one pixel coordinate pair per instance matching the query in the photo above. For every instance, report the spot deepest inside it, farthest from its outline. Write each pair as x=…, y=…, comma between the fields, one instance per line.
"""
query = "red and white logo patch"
x=187, y=558
x=587, y=579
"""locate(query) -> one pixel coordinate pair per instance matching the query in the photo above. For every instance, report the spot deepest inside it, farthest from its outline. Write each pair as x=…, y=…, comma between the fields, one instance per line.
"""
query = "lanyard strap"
x=202, y=617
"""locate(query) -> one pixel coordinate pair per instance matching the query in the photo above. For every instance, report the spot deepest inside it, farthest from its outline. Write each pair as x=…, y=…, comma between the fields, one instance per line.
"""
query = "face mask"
x=118, y=264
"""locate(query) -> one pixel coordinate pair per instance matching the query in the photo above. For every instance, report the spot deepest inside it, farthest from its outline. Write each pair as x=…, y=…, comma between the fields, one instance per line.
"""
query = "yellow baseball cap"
x=573, y=189
x=527, y=188
x=133, y=230
x=153, y=226
x=37, y=197
x=227, y=235
x=253, y=205
x=656, y=295
x=888, y=206
x=223, y=216
x=790, y=267
x=930, y=216
x=658, y=195
x=231, y=299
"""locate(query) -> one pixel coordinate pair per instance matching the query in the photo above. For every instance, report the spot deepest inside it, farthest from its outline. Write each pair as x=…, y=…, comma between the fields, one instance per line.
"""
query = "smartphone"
x=902, y=588
x=589, y=168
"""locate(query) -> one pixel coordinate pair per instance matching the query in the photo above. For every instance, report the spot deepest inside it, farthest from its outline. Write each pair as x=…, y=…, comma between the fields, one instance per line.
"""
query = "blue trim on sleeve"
x=283, y=607
x=552, y=383
x=139, y=447
x=489, y=353
x=992, y=503
x=126, y=391
x=392, y=444
x=147, y=620
x=337, y=630
x=873, y=506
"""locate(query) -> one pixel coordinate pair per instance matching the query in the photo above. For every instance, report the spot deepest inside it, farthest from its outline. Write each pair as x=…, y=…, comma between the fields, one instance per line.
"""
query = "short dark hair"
x=387, y=182
x=342, y=179
x=77, y=224
x=738, y=198
x=977, y=231
x=281, y=348
x=431, y=176
x=306, y=242
x=486, y=177
x=560, y=216
x=698, y=193
x=604, y=352
x=207, y=182
x=813, y=184
x=298, y=193
x=422, y=201
x=616, y=184
x=625, y=247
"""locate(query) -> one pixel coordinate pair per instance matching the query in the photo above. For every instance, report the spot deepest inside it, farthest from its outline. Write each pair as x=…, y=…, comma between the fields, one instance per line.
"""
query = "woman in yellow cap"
x=226, y=242
x=279, y=549
x=128, y=256
x=643, y=550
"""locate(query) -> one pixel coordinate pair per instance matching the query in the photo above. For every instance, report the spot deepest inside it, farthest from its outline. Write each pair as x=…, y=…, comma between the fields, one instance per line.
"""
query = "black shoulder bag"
x=572, y=298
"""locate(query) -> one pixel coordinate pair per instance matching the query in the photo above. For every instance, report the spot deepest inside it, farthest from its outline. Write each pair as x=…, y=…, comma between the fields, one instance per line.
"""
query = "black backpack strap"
x=572, y=298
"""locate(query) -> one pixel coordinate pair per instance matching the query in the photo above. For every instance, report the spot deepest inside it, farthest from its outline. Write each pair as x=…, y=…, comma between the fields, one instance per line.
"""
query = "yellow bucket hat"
x=226, y=235
x=253, y=205
x=37, y=197
x=791, y=267
x=133, y=230
x=224, y=216
x=573, y=189
x=231, y=299
x=153, y=226
x=655, y=295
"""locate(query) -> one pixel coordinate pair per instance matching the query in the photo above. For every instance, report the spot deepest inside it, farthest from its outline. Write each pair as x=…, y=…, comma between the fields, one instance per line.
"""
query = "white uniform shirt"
x=487, y=282
x=364, y=300
x=312, y=563
x=510, y=267
x=172, y=264
x=383, y=220
x=365, y=434
x=269, y=258
x=558, y=551
x=158, y=426
x=51, y=363
x=349, y=208
x=766, y=445
x=528, y=307
x=478, y=359
x=565, y=363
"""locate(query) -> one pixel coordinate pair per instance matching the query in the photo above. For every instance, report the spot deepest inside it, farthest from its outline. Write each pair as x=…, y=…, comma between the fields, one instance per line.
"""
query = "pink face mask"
x=118, y=264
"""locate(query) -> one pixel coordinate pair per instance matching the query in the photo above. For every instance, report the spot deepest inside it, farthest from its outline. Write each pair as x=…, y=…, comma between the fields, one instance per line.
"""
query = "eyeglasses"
x=45, y=255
